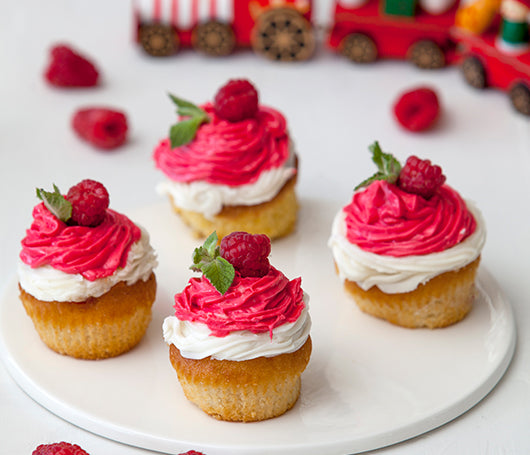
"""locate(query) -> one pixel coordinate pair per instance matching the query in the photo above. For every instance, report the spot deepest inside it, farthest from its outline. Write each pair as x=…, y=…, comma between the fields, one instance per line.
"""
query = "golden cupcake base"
x=275, y=218
x=442, y=301
x=244, y=391
x=98, y=328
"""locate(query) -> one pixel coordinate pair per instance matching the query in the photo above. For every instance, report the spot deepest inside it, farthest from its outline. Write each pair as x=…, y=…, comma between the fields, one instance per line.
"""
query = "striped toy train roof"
x=184, y=14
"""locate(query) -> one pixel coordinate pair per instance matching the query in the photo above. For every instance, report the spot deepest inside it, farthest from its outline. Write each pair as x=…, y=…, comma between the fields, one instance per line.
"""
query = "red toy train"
x=284, y=29
x=280, y=30
x=364, y=30
x=422, y=31
x=495, y=52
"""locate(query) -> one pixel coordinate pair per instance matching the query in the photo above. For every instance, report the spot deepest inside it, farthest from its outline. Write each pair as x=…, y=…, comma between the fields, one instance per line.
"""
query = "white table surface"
x=335, y=109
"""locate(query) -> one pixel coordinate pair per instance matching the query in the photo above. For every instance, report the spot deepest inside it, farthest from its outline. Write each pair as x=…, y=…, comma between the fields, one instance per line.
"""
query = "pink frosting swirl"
x=225, y=153
x=255, y=304
x=93, y=252
x=384, y=219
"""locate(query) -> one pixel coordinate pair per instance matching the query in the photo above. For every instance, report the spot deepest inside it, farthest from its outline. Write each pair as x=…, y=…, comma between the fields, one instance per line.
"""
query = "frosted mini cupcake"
x=239, y=347
x=86, y=274
x=230, y=165
x=407, y=247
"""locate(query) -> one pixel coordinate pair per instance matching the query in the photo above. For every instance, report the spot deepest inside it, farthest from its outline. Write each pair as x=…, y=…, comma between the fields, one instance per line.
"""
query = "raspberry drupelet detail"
x=420, y=177
x=248, y=253
x=90, y=201
x=236, y=100
x=59, y=448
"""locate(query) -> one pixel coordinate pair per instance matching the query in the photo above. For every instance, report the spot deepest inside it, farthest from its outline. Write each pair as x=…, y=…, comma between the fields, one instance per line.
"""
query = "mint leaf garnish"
x=186, y=108
x=207, y=259
x=183, y=132
x=210, y=244
x=220, y=273
x=388, y=166
x=56, y=203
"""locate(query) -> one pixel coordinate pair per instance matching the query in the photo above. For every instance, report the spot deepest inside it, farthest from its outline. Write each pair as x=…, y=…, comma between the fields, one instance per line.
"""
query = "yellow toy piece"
x=477, y=15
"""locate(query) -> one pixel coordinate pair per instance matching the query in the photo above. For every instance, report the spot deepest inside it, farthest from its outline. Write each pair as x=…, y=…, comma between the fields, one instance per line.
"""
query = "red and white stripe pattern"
x=351, y=3
x=184, y=14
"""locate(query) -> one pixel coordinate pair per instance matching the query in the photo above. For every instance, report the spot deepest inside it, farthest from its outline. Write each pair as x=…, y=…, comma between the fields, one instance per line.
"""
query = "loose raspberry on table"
x=90, y=201
x=59, y=448
x=418, y=109
x=104, y=128
x=248, y=253
x=68, y=68
x=420, y=177
x=236, y=101
x=191, y=452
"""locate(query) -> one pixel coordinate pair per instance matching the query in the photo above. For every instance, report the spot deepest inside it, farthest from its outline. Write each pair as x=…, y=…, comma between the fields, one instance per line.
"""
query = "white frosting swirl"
x=194, y=339
x=48, y=284
x=209, y=199
x=400, y=274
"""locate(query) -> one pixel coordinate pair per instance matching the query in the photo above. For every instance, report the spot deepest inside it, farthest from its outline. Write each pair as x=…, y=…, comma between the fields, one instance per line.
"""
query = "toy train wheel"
x=474, y=72
x=283, y=34
x=214, y=38
x=359, y=48
x=426, y=54
x=520, y=97
x=158, y=40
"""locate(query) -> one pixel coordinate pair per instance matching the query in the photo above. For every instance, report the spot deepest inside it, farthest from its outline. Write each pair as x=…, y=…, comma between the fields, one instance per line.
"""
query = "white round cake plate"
x=369, y=384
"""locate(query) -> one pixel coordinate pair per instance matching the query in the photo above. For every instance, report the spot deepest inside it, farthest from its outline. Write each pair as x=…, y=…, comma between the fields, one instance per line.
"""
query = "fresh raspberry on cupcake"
x=236, y=101
x=420, y=177
x=248, y=253
x=90, y=201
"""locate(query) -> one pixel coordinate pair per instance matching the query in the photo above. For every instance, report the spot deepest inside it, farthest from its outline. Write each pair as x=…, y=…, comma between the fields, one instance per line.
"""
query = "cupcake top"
x=93, y=252
x=227, y=153
x=77, y=247
x=232, y=151
x=384, y=219
x=404, y=226
x=241, y=309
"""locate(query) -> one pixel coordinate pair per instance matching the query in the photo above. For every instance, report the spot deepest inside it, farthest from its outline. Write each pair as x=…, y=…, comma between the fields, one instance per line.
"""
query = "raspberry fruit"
x=103, y=128
x=248, y=253
x=236, y=101
x=420, y=177
x=192, y=452
x=70, y=69
x=418, y=109
x=90, y=201
x=59, y=448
